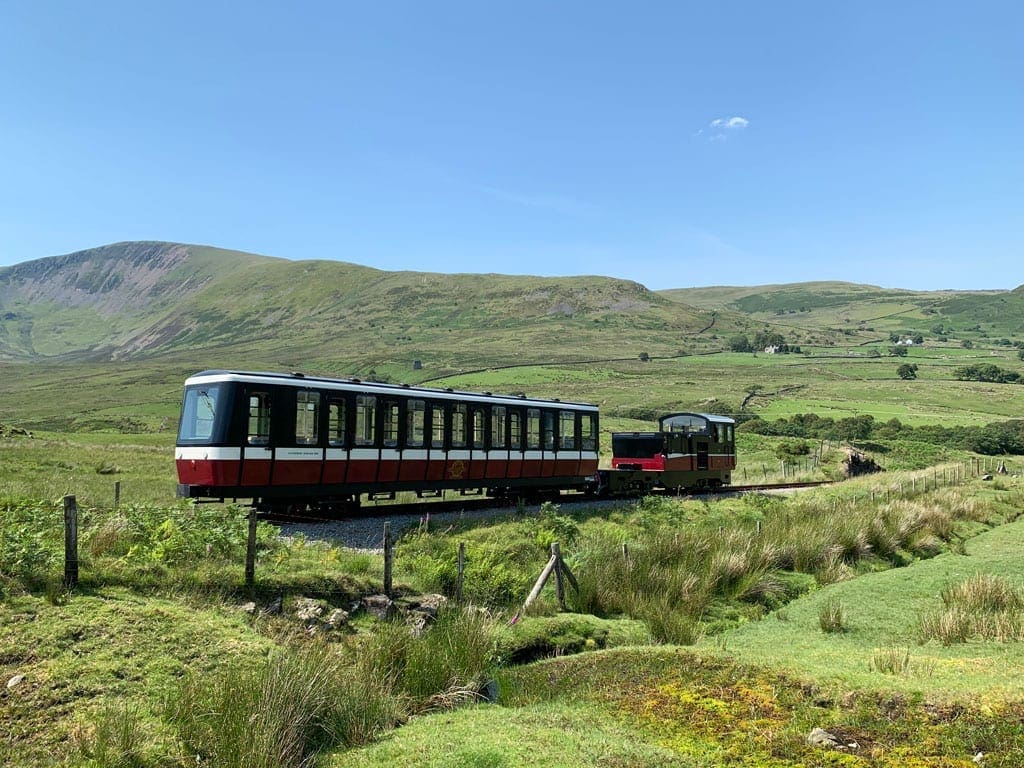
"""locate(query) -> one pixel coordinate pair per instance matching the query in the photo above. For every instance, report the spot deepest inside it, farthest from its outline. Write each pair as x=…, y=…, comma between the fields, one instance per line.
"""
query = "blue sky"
x=677, y=144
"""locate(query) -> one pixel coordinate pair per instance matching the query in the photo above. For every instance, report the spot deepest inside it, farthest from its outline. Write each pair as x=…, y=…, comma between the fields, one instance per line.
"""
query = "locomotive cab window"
x=307, y=418
x=199, y=413
x=259, y=418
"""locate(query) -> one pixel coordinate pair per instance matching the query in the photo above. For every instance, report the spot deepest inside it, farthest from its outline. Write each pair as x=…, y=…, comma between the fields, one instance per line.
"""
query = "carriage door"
x=257, y=453
x=702, y=455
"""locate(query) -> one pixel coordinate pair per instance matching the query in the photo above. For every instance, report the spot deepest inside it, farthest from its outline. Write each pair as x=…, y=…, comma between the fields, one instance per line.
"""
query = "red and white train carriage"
x=295, y=441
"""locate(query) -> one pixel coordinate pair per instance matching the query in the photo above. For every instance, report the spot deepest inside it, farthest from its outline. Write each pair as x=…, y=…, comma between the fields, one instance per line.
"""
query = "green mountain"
x=850, y=307
x=149, y=300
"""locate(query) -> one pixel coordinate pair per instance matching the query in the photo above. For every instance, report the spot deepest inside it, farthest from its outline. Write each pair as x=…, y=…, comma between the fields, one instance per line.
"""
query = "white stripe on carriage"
x=299, y=454
x=206, y=453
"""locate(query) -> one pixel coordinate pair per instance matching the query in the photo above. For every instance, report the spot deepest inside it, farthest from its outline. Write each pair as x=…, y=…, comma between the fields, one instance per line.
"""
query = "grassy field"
x=721, y=633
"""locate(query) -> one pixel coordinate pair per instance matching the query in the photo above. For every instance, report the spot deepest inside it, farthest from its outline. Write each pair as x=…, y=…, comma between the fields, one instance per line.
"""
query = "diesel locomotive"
x=290, y=442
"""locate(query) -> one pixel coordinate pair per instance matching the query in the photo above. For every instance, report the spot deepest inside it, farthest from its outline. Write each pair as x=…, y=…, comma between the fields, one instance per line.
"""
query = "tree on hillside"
x=898, y=351
x=764, y=339
x=907, y=371
x=740, y=343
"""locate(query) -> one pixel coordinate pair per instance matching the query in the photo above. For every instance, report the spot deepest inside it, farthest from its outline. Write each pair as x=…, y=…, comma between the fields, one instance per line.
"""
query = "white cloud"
x=730, y=123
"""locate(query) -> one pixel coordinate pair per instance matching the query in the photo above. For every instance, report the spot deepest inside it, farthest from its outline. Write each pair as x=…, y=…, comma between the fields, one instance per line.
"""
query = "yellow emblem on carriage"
x=457, y=470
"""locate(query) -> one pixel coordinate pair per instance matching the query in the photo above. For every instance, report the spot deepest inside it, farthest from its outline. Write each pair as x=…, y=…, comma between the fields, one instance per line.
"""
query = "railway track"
x=449, y=507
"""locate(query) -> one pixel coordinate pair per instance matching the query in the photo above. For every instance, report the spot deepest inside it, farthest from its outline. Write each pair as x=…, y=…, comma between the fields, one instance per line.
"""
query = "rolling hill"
x=146, y=299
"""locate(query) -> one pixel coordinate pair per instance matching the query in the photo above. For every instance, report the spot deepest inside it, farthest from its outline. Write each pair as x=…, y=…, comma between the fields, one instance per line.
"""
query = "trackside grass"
x=904, y=609
x=152, y=662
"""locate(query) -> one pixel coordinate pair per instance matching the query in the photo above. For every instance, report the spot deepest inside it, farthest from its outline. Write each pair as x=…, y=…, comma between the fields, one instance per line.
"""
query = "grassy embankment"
x=158, y=605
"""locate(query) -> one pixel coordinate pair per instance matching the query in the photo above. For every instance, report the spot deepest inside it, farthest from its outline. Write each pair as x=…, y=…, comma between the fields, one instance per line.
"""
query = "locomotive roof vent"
x=448, y=389
x=299, y=374
x=487, y=393
x=354, y=380
x=403, y=384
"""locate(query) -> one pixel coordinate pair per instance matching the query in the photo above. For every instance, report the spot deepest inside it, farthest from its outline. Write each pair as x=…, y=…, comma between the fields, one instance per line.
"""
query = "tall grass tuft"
x=893, y=660
x=444, y=666
x=277, y=713
x=982, y=606
x=832, y=616
x=280, y=712
x=114, y=740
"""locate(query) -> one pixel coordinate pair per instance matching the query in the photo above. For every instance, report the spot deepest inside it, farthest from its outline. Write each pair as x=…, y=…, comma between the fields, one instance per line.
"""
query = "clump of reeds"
x=982, y=606
x=832, y=616
x=892, y=660
x=280, y=712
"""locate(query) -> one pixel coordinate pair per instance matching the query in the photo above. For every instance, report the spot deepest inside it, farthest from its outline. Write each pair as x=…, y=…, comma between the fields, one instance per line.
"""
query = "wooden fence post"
x=70, y=542
x=387, y=558
x=117, y=494
x=250, y=550
x=556, y=555
x=461, y=569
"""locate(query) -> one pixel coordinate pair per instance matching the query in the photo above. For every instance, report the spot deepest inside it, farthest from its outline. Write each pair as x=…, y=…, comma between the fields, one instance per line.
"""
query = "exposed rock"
x=425, y=604
x=379, y=606
x=14, y=681
x=489, y=692
x=275, y=607
x=857, y=463
x=819, y=737
x=337, y=618
x=986, y=477
x=307, y=609
x=249, y=608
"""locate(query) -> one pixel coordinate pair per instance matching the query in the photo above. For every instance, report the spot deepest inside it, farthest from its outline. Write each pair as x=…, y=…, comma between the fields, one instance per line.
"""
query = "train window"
x=589, y=432
x=499, y=414
x=307, y=412
x=390, y=419
x=336, y=423
x=459, y=425
x=731, y=434
x=548, y=431
x=532, y=429
x=198, y=413
x=567, y=430
x=259, y=418
x=416, y=413
x=478, y=429
x=515, y=431
x=436, y=426
x=366, y=412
